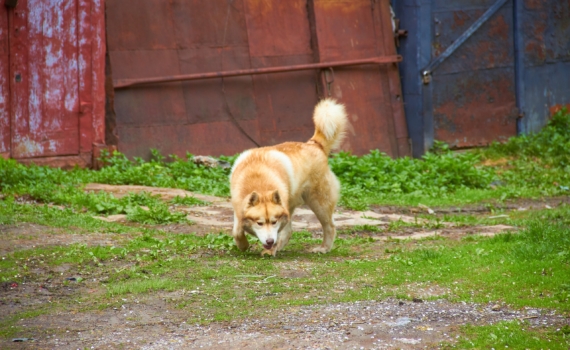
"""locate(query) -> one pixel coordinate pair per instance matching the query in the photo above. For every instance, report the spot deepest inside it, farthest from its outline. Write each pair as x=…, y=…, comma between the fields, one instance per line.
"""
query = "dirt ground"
x=152, y=322
x=387, y=324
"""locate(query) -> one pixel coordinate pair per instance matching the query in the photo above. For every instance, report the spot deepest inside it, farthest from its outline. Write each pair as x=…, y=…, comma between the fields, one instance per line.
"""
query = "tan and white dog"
x=268, y=183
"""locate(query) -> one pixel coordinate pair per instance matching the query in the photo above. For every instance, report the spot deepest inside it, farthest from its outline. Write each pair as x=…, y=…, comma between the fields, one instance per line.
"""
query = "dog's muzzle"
x=269, y=243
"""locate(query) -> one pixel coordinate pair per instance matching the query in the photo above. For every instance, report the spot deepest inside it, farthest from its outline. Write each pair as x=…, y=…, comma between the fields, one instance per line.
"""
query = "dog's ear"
x=253, y=199
x=275, y=198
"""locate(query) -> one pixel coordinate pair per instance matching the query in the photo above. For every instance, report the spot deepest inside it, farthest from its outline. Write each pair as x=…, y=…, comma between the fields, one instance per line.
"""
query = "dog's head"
x=265, y=216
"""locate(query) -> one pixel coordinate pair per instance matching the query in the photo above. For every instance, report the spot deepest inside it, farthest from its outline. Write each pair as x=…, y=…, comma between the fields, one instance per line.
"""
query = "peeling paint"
x=26, y=147
x=45, y=104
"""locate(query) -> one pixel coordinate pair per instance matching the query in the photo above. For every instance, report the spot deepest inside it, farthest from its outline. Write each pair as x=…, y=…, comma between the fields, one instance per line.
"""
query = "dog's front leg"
x=239, y=235
x=284, y=236
x=241, y=240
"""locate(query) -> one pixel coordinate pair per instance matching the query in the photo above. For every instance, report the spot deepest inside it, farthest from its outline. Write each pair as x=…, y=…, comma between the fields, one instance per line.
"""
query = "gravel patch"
x=388, y=324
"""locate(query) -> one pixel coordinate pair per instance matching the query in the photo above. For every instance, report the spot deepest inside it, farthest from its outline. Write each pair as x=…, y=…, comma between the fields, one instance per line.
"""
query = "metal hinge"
x=398, y=32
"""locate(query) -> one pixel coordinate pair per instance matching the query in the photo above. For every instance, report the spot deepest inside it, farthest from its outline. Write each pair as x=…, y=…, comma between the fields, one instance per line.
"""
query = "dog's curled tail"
x=330, y=124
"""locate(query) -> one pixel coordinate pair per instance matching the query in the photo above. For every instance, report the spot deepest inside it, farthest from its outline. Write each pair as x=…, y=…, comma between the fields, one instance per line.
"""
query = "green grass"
x=533, y=166
x=512, y=335
x=524, y=167
x=529, y=267
x=12, y=213
x=214, y=281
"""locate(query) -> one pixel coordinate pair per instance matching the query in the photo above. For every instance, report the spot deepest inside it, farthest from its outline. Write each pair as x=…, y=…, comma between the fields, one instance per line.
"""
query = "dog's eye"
x=273, y=222
x=260, y=223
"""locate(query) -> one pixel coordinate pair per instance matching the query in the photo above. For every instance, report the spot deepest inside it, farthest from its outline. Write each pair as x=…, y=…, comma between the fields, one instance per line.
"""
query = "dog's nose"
x=269, y=242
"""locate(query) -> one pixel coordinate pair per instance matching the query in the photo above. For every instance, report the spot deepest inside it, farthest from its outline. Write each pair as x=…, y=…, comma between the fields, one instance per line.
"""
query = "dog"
x=268, y=183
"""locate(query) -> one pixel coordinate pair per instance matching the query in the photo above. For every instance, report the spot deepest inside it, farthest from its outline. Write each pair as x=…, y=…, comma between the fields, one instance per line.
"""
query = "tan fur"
x=268, y=183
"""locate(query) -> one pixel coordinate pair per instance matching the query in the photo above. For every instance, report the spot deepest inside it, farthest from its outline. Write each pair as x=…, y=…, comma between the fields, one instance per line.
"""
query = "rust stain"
x=558, y=107
x=537, y=49
x=341, y=7
x=535, y=45
x=534, y=4
x=485, y=49
x=262, y=8
x=476, y=112
x=460, y=18
x=498, y=28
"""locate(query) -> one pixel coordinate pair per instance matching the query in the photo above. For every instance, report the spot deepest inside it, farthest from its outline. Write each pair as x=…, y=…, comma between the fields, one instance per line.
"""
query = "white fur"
x=239, y=160
x=288, y=165
x=236, y=223
x=266, y=232
x=330, y=119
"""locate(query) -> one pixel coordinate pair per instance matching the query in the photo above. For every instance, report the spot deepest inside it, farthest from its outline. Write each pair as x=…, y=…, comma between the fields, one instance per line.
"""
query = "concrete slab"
x=219, y=214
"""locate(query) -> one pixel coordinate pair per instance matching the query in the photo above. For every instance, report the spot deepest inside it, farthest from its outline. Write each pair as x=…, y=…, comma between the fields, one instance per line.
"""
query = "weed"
x=157, y=214
x=220, y=241
x=187, y=200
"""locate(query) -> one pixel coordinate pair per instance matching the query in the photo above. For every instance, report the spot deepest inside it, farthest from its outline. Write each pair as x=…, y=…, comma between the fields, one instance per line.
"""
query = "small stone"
x=496, y=307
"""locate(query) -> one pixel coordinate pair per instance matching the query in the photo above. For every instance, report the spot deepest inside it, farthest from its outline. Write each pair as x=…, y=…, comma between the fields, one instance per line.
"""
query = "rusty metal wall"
x=152, y=39
x=499, y=82
x=55, y=89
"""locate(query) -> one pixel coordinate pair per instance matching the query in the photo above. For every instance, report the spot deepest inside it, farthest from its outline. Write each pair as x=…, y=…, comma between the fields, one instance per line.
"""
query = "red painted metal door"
x=279, y=35
x=354, y=29
x=151, y=39
x=44, y=74
x=55, y=79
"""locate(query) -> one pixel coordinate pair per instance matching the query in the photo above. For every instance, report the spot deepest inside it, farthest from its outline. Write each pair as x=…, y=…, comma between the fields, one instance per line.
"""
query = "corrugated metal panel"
x=151, y=39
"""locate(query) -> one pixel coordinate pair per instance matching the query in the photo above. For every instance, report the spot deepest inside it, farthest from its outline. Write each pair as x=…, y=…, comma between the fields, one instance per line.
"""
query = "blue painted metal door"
x=501, y=80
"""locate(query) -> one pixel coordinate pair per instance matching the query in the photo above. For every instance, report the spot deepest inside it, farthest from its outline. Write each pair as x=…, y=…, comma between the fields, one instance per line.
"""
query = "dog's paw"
x=271, y=252
x=320, y=250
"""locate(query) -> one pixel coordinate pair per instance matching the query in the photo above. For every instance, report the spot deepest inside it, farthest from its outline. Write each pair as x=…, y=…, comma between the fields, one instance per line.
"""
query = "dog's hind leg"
x=239, y=235
x=322, y=202
x=325, y=216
